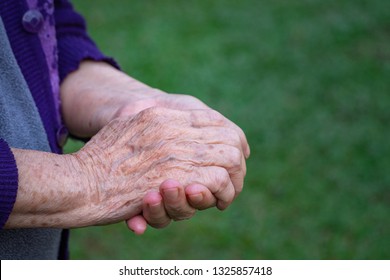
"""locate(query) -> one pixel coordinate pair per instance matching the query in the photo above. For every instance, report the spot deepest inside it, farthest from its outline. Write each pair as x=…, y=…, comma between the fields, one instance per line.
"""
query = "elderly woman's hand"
x=132, y=156
x=109, y=94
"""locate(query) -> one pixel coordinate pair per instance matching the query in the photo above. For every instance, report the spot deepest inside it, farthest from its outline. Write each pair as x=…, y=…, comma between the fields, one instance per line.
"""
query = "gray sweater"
x=21, y=127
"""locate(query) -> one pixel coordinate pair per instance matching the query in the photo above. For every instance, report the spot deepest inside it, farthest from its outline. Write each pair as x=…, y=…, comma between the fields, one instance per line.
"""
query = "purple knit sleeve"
x=74, y=44
x=8, y=182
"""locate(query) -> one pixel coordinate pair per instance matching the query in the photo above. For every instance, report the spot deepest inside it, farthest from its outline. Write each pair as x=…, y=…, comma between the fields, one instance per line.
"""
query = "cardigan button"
x=32, y=21
x=62, y=136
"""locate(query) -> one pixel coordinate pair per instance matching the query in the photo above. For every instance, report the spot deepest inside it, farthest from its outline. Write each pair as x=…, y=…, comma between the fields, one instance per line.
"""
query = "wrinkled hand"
x=131, y=156
x=193, y=198
x=185, y=203
x=197, y=198
x=109, y=94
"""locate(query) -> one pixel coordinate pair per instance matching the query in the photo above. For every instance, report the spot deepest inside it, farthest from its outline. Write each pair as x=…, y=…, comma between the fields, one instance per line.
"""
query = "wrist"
x=97, y=93
x=50, y=191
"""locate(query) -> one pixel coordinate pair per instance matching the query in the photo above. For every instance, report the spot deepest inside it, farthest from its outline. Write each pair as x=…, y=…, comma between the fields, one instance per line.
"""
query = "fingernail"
x=196, y=198
x=172, y=193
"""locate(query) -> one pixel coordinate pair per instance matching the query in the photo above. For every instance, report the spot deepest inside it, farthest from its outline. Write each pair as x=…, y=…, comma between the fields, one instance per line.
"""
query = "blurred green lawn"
x=308, y=81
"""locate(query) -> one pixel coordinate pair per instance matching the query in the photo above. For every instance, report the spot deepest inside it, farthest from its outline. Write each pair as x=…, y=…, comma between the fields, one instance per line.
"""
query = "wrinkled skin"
x=109, y=94
x=131, y=156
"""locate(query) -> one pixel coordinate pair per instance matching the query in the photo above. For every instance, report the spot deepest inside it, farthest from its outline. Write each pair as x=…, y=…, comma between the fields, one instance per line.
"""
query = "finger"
x=200, y=197
x=175, y=200
x=204, y=118
x=154, y=211
x=242, y=174
x=217, y=135
x=243, y=140
x=218, y=181
x=219, y=155
x=137, y=224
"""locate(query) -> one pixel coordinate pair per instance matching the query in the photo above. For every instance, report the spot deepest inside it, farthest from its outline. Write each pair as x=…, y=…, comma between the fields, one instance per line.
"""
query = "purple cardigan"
x=23, y=22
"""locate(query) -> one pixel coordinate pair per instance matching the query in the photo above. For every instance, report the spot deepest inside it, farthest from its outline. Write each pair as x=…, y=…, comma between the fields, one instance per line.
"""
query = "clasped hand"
x=155, y=156
x=162, y=164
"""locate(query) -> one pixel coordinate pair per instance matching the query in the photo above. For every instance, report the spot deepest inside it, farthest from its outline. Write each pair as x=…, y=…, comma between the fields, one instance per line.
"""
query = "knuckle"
x=235, y=138
x=238, y=139
x=222, y=178
x=235, y=159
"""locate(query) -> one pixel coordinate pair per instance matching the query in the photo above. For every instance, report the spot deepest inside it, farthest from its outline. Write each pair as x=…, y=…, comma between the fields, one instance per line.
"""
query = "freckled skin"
x=142, y=138
x=108, y=178
x=109, y=94
x=171, y=148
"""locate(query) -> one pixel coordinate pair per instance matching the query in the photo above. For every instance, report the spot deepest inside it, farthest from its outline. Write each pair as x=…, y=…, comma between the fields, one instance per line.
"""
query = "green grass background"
x=308, y=81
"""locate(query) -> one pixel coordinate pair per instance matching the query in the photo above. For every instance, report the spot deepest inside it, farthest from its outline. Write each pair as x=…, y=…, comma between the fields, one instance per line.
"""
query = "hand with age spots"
x=111, y=95
x=128, y=158
x=159, y=209
x=153, y=157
